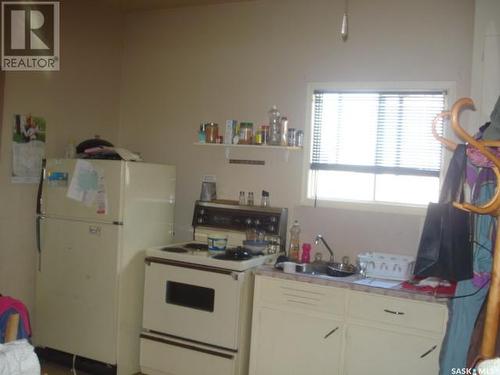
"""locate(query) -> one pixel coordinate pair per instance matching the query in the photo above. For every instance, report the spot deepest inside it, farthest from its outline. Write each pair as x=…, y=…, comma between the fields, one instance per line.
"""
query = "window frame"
x=377, y=206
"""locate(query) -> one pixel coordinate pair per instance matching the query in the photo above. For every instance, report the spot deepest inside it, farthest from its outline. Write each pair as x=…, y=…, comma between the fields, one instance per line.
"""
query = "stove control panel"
x=272, y=220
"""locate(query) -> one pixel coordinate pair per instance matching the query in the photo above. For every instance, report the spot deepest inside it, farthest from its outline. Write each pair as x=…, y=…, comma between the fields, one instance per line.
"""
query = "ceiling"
x=134, y=5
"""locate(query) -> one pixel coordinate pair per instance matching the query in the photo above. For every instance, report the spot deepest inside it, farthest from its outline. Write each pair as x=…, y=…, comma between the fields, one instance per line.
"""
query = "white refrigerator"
x=94, y=220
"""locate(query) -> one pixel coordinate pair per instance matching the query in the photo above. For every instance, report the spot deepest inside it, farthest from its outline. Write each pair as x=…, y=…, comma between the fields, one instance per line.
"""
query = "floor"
x=49, y=368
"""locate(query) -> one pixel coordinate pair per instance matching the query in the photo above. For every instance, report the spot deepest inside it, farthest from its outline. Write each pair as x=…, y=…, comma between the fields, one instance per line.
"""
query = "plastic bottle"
x=306, y=253
x=294, y=249
x=70, y=152
x=274, y=126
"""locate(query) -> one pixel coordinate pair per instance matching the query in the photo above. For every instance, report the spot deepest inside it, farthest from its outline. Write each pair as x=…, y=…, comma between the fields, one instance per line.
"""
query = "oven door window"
x=190, y=296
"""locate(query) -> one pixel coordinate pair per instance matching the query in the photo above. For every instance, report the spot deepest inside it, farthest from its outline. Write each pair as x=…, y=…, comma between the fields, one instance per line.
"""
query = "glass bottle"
x=294, y=249
x=264, y=202
x=242, y=200
x=274, y=126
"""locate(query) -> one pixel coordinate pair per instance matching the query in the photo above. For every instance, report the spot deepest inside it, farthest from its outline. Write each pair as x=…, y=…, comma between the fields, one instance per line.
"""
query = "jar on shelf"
x=211, y=132
x=291, y=137
x=299, y=138
x=246, y=133
x=258, y=137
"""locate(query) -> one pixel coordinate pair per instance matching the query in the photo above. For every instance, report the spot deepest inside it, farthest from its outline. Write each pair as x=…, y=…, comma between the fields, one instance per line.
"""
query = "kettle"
x=208, y=191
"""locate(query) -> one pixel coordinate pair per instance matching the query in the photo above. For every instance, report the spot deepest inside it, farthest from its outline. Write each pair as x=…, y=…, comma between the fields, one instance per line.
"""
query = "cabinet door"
x=292, y=343
x=372, y=350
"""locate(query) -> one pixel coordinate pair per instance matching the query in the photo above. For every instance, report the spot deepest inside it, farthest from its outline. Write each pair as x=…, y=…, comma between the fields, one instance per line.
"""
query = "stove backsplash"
x=271, y=220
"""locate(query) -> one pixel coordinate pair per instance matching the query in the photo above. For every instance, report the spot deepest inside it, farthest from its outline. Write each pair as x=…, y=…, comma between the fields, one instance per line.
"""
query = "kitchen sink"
x=313, y=268
x=325, y=269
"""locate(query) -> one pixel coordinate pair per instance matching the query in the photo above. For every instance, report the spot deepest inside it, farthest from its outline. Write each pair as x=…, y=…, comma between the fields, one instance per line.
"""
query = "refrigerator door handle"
x=40, y=188
x=39, y=218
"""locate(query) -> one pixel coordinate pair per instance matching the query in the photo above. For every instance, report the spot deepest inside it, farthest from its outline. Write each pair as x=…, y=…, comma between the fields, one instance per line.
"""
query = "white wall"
x=485, y=88
x=233, y=61
x=78, y=102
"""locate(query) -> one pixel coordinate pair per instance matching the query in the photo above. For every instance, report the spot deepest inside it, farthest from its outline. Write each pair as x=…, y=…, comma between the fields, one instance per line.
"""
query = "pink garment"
x=478, y=159
x=7, y=303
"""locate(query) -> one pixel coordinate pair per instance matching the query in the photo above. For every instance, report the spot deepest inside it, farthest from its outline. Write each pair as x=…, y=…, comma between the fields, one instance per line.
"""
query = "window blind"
x=377, y=132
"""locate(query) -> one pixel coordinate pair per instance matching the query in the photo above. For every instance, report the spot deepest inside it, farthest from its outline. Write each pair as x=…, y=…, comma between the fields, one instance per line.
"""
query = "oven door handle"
x=235, y=275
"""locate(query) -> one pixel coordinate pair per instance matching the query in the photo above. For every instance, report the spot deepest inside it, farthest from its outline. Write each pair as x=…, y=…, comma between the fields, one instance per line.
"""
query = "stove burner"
x=236, y=254
x=196, y=246
x=174, y=250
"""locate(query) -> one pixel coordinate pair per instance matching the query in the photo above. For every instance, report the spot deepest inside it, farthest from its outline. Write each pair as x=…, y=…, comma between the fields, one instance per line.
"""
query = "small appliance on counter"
x=386, y=266
x=197, y=305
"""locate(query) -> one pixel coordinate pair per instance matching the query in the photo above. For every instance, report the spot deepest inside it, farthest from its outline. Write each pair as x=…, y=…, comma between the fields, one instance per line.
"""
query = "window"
x=375, y=146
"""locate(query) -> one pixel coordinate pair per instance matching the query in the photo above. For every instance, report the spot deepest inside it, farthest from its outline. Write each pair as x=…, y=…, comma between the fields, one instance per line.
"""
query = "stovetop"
x=197, y=253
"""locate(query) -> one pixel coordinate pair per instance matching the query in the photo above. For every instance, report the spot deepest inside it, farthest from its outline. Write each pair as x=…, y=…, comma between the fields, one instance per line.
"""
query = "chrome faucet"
x=319, y=238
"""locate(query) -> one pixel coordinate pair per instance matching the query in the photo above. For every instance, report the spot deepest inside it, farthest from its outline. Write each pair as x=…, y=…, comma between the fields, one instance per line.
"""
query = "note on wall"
x=28, y=148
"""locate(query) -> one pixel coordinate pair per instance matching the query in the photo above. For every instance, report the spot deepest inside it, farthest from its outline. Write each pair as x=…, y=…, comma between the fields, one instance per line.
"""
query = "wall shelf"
x=228, y=147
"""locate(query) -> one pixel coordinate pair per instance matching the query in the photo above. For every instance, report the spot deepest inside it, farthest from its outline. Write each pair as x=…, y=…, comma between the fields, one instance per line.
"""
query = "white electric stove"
x=197, y=307
x=197, y=253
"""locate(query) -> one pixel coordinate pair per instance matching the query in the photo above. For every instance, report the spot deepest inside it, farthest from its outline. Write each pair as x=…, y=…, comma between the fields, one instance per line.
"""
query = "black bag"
x=445, y=248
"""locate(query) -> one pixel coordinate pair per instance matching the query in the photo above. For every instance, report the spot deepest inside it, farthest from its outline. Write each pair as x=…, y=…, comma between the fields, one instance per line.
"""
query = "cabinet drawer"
x=398, y=311
x=160, y=356
x=303, y=295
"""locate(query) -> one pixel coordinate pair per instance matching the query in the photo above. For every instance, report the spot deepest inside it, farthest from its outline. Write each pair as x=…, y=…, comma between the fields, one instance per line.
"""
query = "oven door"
x=193, y=302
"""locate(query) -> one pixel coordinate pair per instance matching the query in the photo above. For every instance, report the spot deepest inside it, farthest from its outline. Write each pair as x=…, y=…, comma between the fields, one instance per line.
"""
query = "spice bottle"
x=250, y=198
x=264, y=202
x=242, y=200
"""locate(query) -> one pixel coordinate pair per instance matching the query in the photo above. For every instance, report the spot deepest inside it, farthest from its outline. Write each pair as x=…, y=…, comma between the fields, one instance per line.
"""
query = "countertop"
x=348, y=283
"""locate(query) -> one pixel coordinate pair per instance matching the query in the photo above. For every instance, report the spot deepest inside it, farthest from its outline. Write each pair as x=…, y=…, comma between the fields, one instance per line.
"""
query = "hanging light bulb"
x=344, y=30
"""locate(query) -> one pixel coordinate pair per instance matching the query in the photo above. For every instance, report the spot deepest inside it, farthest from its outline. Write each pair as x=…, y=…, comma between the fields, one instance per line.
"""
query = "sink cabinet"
x=305, y=328
x=294, y=343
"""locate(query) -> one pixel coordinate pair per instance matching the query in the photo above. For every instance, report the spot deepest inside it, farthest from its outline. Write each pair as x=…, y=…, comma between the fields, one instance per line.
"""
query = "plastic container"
x=386, y=266
x=306, y=253
x=217, y=243
x=284, y=131
x=294, y=249
x=274, y=126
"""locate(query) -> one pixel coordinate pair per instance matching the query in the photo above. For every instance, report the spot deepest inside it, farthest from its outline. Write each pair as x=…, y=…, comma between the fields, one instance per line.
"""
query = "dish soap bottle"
x=306, y=253
x=294, y=249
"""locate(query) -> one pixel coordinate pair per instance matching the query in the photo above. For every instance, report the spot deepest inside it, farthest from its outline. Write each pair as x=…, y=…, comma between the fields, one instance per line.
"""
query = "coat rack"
x=492, y=208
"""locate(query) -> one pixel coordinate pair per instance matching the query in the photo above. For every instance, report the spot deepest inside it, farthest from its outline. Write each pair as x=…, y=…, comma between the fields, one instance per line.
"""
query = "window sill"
x=382, y=207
